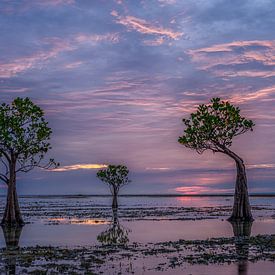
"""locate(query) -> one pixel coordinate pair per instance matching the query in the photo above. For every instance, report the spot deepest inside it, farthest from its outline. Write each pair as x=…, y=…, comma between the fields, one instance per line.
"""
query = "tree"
x=213, y=127
x=24, y=141
x=115, y=176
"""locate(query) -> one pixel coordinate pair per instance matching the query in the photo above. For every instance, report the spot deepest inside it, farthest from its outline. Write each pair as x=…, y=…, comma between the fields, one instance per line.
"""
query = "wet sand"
x=82, y=235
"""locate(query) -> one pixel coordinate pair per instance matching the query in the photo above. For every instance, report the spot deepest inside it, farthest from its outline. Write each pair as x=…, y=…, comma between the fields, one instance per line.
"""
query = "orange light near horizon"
x=197, y=190
x=79, y=167
x=191, y=190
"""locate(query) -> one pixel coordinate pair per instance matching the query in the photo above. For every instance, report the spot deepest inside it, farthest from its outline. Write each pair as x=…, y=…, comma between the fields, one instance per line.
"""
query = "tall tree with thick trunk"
x=213, y=127
x=24, y=141
x=115, y=176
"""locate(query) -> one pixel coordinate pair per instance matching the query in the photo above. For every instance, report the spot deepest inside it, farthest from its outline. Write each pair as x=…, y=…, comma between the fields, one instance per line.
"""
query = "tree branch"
x=5, y=165
x=4, y=178
x=5, y=155
x=28, y=168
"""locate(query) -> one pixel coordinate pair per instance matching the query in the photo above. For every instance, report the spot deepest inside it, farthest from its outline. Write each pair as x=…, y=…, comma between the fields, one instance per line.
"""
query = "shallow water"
x=78, y=221
x=141, y=231
x=89, y=221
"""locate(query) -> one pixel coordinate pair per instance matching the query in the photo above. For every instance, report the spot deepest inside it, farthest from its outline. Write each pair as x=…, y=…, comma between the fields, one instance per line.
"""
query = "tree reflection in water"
x=116, y=234
x=12, y=235
x=242, y=232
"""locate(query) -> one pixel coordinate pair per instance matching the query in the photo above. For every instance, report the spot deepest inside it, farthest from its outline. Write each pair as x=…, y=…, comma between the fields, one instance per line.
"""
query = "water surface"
x=89, y=221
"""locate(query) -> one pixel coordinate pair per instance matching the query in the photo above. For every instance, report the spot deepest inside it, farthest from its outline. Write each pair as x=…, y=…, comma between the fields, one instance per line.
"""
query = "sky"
x=116, y=77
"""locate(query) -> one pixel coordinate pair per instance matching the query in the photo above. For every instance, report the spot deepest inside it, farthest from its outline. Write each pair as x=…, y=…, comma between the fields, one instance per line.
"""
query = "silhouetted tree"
x=116, y=234
x=24, y=141
x=115, y=176
x=213, y=127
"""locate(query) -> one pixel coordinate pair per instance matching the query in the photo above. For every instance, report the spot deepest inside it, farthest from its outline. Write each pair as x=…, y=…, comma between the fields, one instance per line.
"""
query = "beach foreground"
x=147, y=235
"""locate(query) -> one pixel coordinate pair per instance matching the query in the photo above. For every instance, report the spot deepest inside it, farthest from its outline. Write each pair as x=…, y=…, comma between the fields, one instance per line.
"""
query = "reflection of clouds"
x=189, y=201
x=78, y=221
x=194, y=190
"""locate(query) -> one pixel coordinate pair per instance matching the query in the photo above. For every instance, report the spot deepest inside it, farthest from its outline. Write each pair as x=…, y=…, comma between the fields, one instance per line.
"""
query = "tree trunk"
x=115, y=203
x=241, y=208
x=12, y=215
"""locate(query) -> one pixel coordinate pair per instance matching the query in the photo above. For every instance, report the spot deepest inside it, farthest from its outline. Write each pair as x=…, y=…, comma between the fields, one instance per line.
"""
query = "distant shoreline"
x=140, y=195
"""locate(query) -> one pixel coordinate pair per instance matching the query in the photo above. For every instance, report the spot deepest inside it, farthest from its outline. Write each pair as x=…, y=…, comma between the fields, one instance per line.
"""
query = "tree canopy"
x=115, y=175
x=213, y=127
x=24, y=137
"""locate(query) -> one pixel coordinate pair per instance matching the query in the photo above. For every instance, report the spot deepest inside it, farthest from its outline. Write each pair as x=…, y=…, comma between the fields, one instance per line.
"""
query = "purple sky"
x=116, y=77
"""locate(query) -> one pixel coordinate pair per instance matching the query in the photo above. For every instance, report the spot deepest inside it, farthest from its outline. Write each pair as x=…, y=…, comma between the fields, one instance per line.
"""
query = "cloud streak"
x=145, y=27
x=115, y=87
x=19, y=65
x=57, y=46
x=78, y=167
x=237, y=59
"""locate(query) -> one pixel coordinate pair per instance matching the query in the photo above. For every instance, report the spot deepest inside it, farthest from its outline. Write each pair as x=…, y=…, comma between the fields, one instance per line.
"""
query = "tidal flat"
x=147, y=235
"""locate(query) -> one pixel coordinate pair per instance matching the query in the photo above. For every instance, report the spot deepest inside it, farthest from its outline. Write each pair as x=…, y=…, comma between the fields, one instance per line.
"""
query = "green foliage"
x=114, y=175
x=213, y=127
x=24, y=135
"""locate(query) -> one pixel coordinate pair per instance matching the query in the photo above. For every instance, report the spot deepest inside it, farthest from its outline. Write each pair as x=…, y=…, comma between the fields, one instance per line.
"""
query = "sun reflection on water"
x=78, y=221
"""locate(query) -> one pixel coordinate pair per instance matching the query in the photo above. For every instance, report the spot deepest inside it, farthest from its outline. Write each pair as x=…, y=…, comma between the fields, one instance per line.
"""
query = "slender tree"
x=213, y=127
x=115, y=176
x=24, y=141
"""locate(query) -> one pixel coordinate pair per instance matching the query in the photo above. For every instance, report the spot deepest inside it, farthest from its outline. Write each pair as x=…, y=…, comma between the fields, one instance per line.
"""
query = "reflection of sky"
x=116, y=77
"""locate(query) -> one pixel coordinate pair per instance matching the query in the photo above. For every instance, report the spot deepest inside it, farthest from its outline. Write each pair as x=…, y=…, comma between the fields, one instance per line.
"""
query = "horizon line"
x=146, y=195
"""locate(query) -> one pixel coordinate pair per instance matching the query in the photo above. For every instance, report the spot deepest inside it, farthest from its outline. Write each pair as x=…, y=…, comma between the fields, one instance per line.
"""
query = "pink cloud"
x=142, y=26
x=57, y=46
x=220, y=58
x=261, y=166
x=73, y=65
x=54, y=2
x=14, y=90
x=253, y=96
x=26, y=5
x=167, y=2
x=96, y=38
x=21, y=64
x=155, y=42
